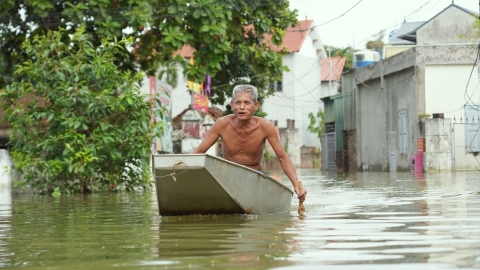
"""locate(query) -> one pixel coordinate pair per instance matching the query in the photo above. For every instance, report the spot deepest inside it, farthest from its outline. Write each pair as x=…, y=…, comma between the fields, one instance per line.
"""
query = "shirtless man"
x=243, y=136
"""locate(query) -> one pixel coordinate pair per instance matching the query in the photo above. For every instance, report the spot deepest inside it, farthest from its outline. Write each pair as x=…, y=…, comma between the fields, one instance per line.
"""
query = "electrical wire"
x=393, y=25
x=465, y=94
x=309, y=92
x=318, y=25
x=362, y=41
x=438, y=2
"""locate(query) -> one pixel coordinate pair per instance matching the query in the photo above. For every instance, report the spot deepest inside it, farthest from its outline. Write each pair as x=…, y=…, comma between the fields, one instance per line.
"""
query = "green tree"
x=376, y=44
x=229, y=37
x=86, y=125
x=317, y=124
x=169, y=72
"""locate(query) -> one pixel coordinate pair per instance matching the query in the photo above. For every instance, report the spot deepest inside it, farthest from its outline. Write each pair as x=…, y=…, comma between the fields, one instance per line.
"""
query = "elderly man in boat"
x=243, y=136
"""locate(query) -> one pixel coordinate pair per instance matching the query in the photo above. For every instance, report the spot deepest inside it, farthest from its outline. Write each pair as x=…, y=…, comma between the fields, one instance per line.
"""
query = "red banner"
x=200, y=102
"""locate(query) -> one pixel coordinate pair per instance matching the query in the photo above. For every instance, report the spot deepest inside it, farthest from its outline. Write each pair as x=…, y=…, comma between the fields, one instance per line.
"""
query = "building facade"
x=393, y=96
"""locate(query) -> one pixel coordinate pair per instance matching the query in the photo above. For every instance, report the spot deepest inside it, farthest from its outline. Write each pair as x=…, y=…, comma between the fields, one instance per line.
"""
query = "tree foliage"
x=376, y=44
x=169, y=73
x=317, y=124
x=228, y=36
x=77, y=121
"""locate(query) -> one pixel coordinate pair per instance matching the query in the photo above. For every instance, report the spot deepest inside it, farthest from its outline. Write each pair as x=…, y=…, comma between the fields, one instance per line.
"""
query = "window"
x=330, y=127
x=277, y=86
x=358, y=57
x=402, y=132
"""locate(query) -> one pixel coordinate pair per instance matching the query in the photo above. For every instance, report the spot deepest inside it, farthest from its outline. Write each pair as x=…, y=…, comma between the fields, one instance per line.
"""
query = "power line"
x=333, y=18
x=395, y=24
x=469, y=101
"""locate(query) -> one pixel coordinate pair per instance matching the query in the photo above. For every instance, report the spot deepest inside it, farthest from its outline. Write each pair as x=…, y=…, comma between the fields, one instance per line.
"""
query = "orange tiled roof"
x=293, y=40
x=294, y=36
x=338, y=63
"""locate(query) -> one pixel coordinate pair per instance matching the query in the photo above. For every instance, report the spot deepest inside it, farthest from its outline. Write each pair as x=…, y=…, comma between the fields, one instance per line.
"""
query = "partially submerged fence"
x=466, y=145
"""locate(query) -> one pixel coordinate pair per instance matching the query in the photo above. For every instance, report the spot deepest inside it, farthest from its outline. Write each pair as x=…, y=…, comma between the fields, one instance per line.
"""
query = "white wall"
x=330, y=89
x=181, y=97
x=5, y=171
x=281, y=105
x=301, y=92
x=5, y=190
x=445, y=87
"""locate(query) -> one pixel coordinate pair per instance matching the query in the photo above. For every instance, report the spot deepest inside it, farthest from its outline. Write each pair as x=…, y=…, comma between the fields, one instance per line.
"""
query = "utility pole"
x=320, y=64
x=330, y=73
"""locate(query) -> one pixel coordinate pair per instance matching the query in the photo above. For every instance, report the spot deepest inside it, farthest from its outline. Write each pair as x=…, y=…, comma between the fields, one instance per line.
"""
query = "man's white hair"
x=245, y=88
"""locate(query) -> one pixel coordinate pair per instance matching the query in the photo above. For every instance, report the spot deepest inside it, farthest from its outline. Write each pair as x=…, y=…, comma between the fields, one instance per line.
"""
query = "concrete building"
x=392, y=95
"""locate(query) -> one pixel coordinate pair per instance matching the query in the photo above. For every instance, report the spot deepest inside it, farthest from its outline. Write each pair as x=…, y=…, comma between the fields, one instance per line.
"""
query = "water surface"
x=353, y=221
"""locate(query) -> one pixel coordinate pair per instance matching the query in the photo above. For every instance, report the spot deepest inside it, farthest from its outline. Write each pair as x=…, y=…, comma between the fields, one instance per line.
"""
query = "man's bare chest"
x=241, y=138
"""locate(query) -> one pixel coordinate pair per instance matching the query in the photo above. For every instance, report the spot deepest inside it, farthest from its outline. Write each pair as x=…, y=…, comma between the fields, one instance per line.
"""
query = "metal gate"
x=466, y=146
x=328, y=151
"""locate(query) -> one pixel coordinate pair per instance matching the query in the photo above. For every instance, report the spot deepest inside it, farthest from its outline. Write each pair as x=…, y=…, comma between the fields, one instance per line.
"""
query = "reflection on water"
x=353, y=221
x=5, y=207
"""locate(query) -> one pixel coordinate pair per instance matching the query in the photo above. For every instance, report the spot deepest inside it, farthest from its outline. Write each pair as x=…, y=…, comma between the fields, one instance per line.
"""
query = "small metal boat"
x=202, y=184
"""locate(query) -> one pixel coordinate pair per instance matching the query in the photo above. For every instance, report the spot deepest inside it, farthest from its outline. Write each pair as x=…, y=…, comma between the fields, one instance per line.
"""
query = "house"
x=297, y=94
x=331, y=74
x=392, y=97
x=331, y=70
x=397, y=45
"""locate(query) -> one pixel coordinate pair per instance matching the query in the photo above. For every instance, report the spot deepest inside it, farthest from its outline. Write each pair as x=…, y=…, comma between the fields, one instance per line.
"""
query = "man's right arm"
x=210, y=139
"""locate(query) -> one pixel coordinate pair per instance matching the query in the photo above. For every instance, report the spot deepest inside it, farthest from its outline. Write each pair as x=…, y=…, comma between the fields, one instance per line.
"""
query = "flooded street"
x=353, y=221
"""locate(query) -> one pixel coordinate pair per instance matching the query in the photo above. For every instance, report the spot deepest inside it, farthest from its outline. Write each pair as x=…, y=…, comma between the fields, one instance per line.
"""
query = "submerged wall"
x=438, y=145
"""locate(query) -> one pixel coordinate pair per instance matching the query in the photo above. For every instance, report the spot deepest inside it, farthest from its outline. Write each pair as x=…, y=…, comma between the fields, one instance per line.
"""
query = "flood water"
x=353, y=221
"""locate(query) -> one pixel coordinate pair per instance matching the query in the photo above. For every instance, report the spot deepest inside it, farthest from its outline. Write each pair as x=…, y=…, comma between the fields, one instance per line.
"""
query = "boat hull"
x=202, y=184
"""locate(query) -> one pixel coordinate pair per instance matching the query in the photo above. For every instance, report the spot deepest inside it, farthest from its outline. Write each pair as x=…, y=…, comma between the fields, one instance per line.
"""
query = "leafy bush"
x=77, y=122
x=317, y=124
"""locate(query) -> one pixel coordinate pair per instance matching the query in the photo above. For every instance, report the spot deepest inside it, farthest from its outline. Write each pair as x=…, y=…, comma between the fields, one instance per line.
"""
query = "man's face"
x=243, y=106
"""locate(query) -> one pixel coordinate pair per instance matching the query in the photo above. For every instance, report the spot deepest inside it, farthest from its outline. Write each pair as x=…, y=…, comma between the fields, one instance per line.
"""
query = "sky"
x=362, y=20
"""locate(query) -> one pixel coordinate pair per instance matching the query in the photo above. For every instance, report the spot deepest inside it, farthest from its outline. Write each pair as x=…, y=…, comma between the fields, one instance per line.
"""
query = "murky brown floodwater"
x=356, y=221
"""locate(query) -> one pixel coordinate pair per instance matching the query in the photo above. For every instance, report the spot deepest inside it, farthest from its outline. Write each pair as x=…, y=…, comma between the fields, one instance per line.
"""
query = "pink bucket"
x=418, y=162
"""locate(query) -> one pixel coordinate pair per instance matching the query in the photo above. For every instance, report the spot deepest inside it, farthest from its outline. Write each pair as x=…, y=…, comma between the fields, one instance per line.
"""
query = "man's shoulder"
x=224, y=120
x=227, y=117
x=263, y=121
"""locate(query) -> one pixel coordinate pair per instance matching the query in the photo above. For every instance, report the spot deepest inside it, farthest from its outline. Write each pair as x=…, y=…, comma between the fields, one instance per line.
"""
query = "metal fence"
x=466, y=146
x=328, y=151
